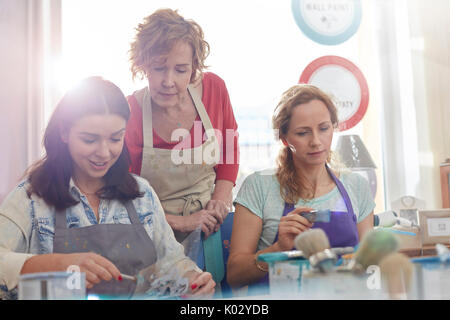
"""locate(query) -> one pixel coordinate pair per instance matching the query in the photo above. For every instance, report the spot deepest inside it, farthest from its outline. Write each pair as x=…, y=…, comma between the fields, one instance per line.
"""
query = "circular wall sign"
x=328, y=22
x=346, y=85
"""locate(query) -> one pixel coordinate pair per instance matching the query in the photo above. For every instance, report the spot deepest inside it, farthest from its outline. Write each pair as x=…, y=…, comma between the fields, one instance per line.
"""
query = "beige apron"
x=186, y=187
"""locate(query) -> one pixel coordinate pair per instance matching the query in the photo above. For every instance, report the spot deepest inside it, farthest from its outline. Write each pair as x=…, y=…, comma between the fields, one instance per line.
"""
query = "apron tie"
x=189, y=201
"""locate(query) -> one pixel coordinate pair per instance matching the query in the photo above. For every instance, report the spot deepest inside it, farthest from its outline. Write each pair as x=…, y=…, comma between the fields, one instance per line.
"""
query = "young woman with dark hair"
x=49, y=177
x=79, y=205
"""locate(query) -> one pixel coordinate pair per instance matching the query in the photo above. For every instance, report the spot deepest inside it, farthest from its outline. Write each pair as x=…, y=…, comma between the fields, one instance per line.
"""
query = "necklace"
x=86, y=193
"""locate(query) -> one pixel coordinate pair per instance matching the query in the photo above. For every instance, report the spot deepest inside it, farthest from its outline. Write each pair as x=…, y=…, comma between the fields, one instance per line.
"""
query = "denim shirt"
x=27, y=227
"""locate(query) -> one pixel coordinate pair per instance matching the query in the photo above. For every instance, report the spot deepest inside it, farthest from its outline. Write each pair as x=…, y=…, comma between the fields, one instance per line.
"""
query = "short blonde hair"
x=158, y=34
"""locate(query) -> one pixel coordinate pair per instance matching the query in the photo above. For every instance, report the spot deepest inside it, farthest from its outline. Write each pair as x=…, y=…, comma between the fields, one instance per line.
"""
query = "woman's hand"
x=201, y=285
x=95, y=266
x=291, y=226
x=221, y=208
x=206, y=219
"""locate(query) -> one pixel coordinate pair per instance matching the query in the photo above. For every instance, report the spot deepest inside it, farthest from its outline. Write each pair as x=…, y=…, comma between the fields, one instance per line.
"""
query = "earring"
x=292, y=148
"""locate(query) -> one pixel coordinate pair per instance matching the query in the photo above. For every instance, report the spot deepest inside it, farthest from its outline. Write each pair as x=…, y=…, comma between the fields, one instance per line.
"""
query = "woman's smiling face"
x=95, y=142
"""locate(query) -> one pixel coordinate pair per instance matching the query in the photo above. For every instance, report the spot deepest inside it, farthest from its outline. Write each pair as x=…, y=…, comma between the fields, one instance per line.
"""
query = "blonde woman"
x=268, y=204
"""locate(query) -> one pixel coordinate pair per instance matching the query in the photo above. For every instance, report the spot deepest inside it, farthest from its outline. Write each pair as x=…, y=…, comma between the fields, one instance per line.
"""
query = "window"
x=258, y=49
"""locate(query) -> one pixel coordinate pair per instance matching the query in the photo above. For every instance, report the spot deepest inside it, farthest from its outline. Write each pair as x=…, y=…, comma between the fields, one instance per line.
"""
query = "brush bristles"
x=396, y=269
x=312, y=241
x=375, y=246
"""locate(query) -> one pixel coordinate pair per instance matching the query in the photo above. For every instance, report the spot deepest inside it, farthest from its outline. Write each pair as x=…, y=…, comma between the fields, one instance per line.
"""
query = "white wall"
x=413, y=55
x=430, y=46
x=26, y=44
x=13, y=92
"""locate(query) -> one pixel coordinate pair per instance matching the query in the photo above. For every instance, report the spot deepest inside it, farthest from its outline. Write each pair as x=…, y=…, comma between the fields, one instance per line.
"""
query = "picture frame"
x=435, y=226
x=410, y=214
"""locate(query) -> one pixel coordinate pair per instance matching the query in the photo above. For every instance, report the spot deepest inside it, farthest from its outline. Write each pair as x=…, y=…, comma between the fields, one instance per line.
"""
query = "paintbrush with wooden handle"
x=396, y=271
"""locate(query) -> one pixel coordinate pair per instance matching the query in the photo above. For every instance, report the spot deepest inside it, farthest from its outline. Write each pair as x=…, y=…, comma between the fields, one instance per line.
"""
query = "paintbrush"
x=396, y=270
x=280, y=256
x=296, y=254
x=128, y=277
x=317, y=215
x=375, y=245
x=315, y=246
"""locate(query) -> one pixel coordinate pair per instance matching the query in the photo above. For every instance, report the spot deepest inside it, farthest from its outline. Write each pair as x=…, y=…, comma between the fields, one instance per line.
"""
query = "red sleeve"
x=218, y=106
x=134, y=135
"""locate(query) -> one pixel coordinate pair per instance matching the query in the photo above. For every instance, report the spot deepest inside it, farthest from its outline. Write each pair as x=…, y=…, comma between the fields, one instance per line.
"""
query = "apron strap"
x=288, y=207
x=200, y=109
x=147, y=126
x=132, y=213
x=60, y=220
x=147, y=112
x=341, y=188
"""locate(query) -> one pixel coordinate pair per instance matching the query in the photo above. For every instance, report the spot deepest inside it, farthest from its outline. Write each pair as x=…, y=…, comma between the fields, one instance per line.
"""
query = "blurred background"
x=402, y=47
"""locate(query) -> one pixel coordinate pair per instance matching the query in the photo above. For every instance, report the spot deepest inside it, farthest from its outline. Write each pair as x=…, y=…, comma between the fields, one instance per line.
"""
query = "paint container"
x=343, y=286
x=432, y=278
x=285, y=272
x=292, y=277
x=52, y=286
x=285, y=277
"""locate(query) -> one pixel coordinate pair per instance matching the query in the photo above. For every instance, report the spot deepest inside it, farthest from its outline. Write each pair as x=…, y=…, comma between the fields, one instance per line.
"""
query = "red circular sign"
x=345, y=81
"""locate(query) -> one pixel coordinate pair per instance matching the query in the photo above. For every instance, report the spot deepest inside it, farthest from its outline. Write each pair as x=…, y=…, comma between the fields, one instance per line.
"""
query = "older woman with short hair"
x=182, y=134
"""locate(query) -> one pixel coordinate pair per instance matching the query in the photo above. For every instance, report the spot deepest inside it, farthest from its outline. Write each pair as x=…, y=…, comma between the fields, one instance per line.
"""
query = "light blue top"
x=260, y=193
x=27, y=227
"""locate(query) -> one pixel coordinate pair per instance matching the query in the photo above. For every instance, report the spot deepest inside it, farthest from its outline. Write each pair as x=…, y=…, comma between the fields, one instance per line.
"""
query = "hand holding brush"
x=291, y=226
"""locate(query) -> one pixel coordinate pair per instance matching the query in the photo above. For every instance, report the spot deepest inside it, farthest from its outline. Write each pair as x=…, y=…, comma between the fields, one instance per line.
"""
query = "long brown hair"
x=49, y=177
x=290, y=185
